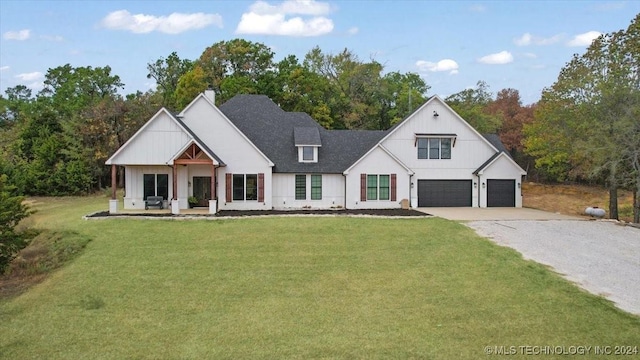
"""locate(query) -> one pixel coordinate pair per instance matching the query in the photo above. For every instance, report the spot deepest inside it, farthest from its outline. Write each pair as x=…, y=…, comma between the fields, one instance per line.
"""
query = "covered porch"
x=187, y=183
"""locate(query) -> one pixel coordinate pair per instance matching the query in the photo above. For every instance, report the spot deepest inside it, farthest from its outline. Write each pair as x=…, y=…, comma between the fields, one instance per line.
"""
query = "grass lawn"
x=294, y=288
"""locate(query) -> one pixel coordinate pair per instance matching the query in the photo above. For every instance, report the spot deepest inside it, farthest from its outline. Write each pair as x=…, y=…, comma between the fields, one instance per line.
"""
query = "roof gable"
x=494, y=159
x=432, y=100
x=154, y=143
x=198, y=123
x=306, y=136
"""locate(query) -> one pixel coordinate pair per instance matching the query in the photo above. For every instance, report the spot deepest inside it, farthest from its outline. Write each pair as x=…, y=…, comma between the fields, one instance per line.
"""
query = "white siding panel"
x=156, y=145
x=376, y=162
x=468, y=153
x=134, y=186
x=284, y=192
x=502, y=168
x=227, y=142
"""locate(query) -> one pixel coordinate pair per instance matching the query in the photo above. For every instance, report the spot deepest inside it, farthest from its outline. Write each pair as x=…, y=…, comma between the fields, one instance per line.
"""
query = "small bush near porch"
x=296, y=287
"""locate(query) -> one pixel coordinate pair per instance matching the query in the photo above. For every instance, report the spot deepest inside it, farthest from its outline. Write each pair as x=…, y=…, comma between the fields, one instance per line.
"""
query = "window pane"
x=434, y=148
x=163, y=186
x=307, y=153
x=372, y=187
x=252, y=187
x=301, y=187
x=422, y=148
x=149, y=185
x=316, y=187
x=384, y=187
x=238, y=187
x=445, y=149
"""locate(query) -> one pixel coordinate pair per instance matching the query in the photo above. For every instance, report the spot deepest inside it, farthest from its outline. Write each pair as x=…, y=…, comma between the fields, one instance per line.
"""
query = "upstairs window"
x=434, y=148
x=308, y=154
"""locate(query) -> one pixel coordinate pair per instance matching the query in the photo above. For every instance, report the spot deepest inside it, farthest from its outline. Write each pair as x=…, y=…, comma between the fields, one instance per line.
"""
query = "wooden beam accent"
x=193, y=162
x=113, y=181
x=175, y=182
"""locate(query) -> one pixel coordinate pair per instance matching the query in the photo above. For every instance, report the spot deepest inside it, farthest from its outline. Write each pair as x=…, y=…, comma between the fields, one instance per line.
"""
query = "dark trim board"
x=501, y=193
x=444, y=193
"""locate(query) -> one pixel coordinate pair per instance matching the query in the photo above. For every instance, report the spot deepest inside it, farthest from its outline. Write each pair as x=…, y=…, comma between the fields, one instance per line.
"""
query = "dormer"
x=307, y=140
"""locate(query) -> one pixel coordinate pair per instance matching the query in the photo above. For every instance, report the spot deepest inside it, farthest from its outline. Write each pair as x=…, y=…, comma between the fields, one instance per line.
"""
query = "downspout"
x=479, y=191
x=410, y=190
x=345, y=191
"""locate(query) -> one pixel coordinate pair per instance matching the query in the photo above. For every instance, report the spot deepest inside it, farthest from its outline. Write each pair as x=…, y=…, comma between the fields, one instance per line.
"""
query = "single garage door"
x=501, y=193
x=444, y=193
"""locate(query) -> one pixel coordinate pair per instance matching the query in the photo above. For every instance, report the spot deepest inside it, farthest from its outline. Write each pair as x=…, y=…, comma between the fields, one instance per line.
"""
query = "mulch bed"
x=239, y=213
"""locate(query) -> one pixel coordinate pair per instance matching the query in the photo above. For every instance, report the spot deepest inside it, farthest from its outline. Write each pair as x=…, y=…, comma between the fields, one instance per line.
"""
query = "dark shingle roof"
x=494, y=139
x=272, y=130
x=306, y=136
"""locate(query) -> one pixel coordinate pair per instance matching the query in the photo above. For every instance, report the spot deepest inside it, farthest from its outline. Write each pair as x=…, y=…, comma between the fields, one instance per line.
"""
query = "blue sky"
x=451, y=44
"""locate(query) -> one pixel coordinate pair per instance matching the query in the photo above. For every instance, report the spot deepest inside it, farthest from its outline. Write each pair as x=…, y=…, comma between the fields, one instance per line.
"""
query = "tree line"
x=584, y=128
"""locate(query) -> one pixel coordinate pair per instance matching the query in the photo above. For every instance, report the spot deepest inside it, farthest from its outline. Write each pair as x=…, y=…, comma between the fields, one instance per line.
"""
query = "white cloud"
x=17, y=35
x=3, y=68
x=503, y=57
x=353, y=31
x=443, y=65
x=266, y=19
x=530, y=55
x=32, y=76
x=528, y=39
x=477, y=8
x=56, y=38
x=175, y=23
x=524, y=40
x=301, y=7
x=584, y=39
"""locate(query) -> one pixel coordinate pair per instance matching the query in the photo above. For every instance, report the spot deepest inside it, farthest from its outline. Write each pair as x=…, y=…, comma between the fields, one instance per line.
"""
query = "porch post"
x=113, y=181
x=175, y=182
x=213, y=183
x=175, y=204
x=113, y=203
x=213, y=202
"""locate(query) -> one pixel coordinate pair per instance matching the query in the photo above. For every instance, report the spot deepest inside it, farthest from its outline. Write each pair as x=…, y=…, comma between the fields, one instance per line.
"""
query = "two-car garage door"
x=444, y=193
x=457, y=193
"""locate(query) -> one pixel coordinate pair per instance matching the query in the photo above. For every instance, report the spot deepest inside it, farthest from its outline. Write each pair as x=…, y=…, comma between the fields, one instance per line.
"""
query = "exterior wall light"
x=484, y=185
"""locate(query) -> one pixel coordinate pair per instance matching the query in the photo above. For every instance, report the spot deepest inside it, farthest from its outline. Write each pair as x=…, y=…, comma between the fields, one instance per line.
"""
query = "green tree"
x=587, y=119
x=167, y=72
x=12, y=210
x=234, y=66
x=472, y=105
x=189, y=86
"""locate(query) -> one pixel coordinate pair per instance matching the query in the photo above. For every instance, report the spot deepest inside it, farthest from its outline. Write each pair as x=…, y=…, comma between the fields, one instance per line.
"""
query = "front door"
x=202, y=189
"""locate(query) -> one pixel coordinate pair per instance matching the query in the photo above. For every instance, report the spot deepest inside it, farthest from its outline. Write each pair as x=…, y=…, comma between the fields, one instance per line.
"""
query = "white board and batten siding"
x=156, y=144
x=468, y=152
x=376, y=162
x=233, y=148
x=284, y=192
x=501, y=168
x=134, y=184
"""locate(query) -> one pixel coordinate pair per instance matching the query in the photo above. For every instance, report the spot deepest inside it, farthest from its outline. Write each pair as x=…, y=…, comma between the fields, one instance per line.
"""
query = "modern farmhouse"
x=249, y=154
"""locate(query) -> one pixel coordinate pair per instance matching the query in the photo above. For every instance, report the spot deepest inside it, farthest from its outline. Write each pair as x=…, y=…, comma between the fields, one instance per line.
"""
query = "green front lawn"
x=294, y=288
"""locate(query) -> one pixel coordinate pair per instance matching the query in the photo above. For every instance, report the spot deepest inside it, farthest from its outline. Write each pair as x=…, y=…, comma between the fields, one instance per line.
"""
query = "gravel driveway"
x=600, y=256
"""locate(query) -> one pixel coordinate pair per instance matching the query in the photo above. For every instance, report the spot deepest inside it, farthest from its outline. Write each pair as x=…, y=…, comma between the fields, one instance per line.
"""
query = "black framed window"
x=155, y=185
x=238, y=186
x=301, y=187
x=316, y=187
x=434, y=148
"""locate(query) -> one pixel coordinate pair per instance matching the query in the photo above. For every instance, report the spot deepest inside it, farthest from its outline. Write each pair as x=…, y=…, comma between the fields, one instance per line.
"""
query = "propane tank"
x=595, y=212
